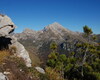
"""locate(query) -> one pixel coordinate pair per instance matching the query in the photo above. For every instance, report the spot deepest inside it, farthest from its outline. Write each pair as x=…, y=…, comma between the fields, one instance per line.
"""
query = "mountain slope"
x=38, y=42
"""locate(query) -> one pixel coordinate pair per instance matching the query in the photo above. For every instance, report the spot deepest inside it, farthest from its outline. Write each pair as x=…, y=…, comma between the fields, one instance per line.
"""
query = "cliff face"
x=7, y=41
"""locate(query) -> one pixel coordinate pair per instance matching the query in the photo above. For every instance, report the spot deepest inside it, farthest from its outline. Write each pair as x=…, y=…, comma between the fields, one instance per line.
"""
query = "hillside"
x=38, y=42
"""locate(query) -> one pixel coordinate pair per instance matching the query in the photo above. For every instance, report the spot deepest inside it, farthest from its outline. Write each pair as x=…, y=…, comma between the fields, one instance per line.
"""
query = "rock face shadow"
x=4, y=43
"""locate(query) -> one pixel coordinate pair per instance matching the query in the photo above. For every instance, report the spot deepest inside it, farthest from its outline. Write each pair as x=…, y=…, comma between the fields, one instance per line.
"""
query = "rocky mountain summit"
x=7, y=41
x=53, y=31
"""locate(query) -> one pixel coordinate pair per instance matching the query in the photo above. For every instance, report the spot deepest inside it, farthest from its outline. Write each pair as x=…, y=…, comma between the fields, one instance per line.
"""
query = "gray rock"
x=39, y=69
x=21, y=52
x=3, y=77
x=6, y=25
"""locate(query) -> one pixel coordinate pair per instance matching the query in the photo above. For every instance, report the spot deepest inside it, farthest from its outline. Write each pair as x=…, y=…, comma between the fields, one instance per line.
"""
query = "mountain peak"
x=54, y=26
x=27, y=30
x=56, y=23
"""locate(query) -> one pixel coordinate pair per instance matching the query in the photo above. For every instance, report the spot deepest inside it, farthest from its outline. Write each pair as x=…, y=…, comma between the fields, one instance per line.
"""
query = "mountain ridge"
x=55, y=28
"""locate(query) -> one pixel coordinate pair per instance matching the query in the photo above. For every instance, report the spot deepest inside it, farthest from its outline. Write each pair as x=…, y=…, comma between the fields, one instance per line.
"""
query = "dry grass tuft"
x=13, y=49
x=3, y=55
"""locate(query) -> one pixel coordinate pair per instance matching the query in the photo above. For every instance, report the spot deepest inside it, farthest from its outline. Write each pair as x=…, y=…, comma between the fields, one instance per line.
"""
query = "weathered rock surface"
x=21, y=52
x=6, y=25
x=7, y=40
x=3, y=77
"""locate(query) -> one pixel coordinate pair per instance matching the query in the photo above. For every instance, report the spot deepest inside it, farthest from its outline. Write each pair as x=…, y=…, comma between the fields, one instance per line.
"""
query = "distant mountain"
x=98, y=38
x=53, y=31
x=38, y=42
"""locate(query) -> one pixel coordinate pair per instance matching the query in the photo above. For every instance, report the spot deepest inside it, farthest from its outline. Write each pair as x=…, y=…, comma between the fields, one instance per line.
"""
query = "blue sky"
x=36, y=14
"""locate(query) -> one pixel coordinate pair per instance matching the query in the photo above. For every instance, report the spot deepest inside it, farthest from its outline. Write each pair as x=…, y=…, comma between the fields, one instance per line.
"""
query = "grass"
x=35, y=59
x=3, y=55
x=16, y=66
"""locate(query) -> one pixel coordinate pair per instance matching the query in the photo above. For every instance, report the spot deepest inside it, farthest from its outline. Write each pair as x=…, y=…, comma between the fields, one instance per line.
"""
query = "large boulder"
x=7, y=40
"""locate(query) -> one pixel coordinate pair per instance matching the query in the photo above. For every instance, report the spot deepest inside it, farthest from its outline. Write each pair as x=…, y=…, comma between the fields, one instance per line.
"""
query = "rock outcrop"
x=7, y=40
